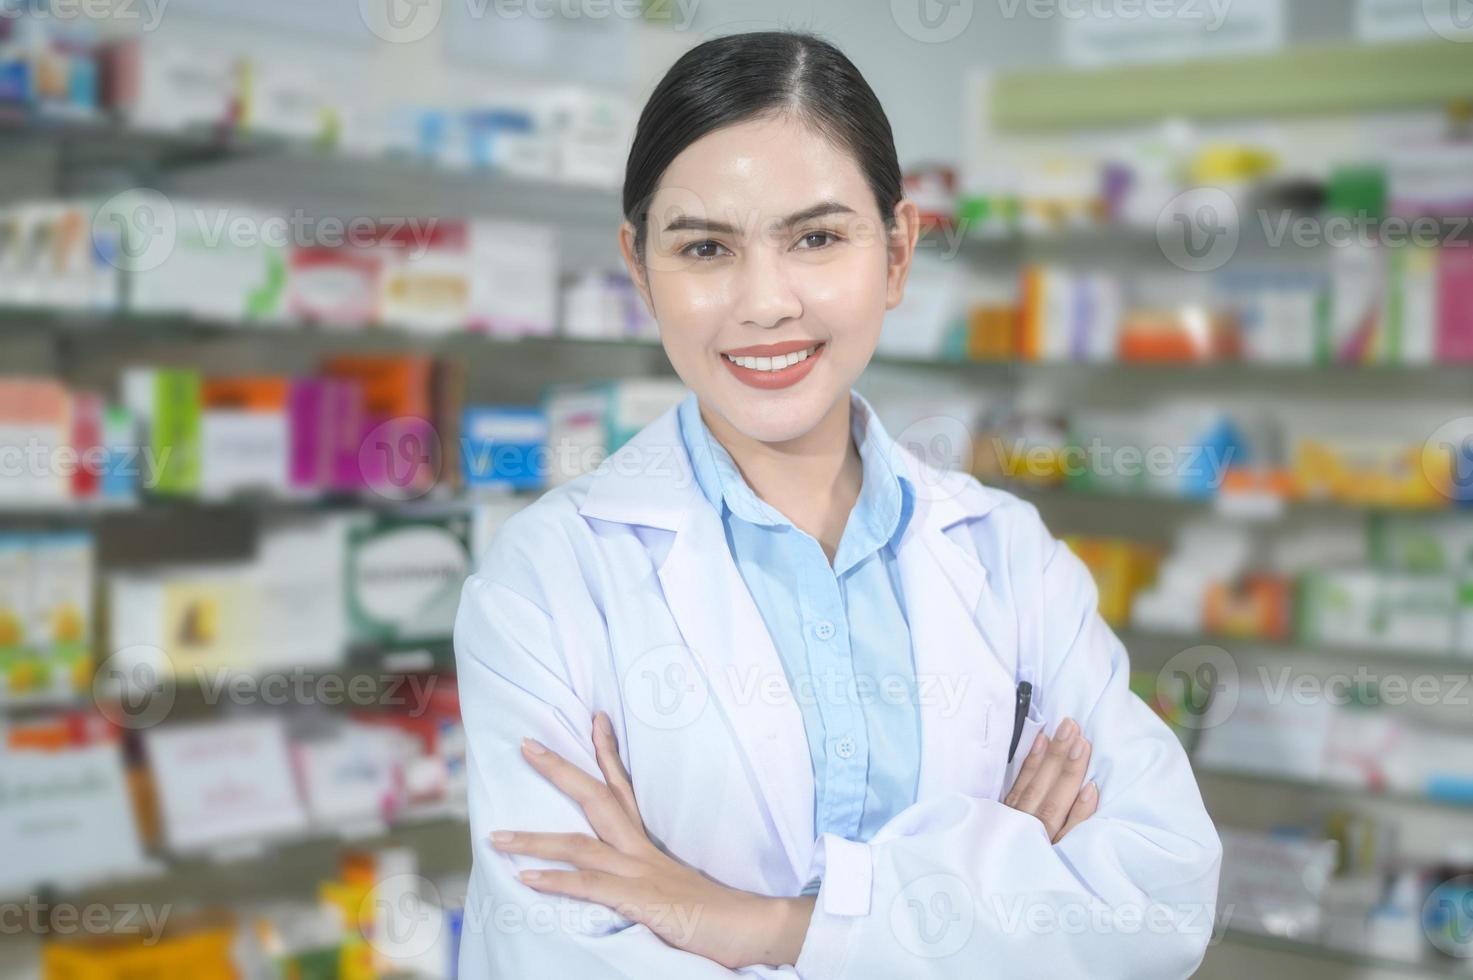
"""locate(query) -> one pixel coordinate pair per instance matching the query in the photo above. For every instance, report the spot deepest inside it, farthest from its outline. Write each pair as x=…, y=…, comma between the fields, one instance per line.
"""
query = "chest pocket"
x=1033, y=723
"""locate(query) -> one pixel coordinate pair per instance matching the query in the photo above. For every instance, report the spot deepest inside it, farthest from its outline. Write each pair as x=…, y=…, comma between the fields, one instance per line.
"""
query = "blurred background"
x=299, y=299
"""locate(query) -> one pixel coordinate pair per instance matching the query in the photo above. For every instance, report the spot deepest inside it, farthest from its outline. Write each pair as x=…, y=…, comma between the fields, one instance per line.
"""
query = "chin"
x=777, y=416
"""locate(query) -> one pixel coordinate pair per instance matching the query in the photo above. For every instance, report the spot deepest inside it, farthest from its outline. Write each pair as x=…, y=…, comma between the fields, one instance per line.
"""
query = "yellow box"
x=201, y=954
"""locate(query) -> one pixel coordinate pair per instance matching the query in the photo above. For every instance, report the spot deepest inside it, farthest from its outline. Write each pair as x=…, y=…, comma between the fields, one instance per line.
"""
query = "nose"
x=766, y=297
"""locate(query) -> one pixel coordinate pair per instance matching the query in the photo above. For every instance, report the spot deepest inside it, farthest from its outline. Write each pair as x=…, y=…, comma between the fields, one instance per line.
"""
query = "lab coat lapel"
x=649, y=482
x=728, y=637
x=962, y=685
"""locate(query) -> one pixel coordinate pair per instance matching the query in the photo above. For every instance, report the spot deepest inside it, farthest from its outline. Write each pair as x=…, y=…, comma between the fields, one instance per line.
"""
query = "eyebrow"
x=819, y=210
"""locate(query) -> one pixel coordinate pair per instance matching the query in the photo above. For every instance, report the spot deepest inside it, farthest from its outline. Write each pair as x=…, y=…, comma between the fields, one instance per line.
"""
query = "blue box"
x=503, y=448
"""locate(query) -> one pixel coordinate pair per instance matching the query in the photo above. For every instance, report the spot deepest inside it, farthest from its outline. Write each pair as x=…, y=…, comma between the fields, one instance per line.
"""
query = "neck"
x=812, y=480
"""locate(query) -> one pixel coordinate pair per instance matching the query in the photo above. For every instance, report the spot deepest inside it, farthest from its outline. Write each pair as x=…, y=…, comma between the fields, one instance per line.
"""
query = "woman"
x=745, y=699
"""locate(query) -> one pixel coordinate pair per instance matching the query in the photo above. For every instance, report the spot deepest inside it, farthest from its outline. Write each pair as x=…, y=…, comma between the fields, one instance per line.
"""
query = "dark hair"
x=734, y=78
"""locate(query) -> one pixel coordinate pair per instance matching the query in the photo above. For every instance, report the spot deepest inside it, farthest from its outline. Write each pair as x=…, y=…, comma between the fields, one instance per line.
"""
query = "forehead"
x=764, y=167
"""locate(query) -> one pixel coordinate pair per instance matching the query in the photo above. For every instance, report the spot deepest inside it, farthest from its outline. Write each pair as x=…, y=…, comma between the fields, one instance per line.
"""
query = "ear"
x=638, y=274
x=900, y=250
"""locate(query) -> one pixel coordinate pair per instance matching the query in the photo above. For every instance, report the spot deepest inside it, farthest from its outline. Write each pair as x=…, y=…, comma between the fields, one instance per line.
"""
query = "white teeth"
x=772, y=363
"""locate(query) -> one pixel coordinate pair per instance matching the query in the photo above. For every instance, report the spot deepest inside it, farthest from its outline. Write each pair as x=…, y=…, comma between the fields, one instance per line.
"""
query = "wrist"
x=784, y=925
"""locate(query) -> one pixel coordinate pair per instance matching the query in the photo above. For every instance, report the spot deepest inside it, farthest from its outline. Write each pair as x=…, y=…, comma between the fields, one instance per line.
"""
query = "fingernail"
x=502, y=836
x=530, y=876
x=601, y=722
x=1077, y=749
x=1040, y=741
x=1067, y=730
x=1090, y=789
x=533, y=746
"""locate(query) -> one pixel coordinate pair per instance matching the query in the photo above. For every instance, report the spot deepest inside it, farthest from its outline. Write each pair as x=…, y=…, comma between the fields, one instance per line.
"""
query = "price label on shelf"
x=223, y=782
x=1260, y=507
x=65, y=816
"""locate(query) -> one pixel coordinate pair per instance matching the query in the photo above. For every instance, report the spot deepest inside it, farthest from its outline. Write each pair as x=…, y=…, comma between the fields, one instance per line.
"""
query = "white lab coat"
x=617, y=592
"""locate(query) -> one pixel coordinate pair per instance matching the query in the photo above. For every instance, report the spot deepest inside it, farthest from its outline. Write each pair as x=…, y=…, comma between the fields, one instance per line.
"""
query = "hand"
x=624, y=870
x=1049, y=784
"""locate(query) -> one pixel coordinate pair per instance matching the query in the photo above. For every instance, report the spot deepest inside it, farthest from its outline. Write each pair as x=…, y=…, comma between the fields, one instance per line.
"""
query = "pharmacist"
x=743, y=700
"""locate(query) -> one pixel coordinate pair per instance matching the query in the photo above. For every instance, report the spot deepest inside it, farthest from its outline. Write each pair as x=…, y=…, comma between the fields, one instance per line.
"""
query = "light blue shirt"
x=840, y=630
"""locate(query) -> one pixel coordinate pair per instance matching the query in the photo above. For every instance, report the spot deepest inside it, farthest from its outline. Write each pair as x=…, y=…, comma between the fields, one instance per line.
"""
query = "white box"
x=224, y=782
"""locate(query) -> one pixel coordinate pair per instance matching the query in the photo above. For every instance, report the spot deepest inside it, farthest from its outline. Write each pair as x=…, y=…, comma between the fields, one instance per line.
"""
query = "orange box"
x=993, y=332
x=1255, y=607
x=266, y=393
x=201, y=952
x=393, y=385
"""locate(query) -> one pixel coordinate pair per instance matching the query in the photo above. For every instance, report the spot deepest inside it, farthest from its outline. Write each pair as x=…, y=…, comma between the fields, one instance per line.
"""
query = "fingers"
x=1030, y=768
x=1037, y=790
x=1053, y=777
x=1085, y=805
x=605, y=815
x=606, y=748
x=627, y=896
x=1054, y=809
x=580, y=850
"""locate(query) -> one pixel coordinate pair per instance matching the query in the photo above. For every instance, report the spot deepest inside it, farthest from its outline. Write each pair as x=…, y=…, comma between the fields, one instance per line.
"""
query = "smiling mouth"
x=775, y=363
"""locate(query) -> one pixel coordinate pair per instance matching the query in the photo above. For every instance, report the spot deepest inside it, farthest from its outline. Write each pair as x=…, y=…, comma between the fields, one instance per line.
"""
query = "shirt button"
x=845, y=747
x=823, y=629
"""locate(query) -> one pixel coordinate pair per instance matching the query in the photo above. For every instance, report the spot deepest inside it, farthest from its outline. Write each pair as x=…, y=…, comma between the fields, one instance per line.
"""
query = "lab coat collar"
x=885, y=502
x=649, y=482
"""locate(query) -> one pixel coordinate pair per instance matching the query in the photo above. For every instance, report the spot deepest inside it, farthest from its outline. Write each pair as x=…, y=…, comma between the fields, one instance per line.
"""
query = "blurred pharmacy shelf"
x=157, y=507
x=166, y=871
x=151, y=507
x=1225, y=506
x=1304, y=80
x=1430, y=966
x=92, y=154
x=1152, y=645
x=83, y=326
x=1323, y=788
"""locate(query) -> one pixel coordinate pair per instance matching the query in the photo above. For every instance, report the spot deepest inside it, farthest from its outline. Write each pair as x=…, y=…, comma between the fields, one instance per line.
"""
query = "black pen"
x=1025, y=695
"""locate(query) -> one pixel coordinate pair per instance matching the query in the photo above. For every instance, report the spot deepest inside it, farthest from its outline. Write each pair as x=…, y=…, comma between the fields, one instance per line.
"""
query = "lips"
x=771, y=366
x=772, y=350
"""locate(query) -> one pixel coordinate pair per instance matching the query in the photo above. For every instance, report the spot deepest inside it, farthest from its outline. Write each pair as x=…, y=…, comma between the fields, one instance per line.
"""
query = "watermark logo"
x=944, y=445
x=1447, y=458
x=401, y=459
x=408, y=21
x=136, y=230
x=932, y=21
x=401, y=21
x=146, y=14
x=1447, y=917
x=933, y=917
x=137, y=687
x=664, y=689
x=402, y=918
x=33, y=916
x=1198, y=230
x=1202, y=681
x=134, y=688
x=1211, y=14
x=1450, y=19
x=139, y=230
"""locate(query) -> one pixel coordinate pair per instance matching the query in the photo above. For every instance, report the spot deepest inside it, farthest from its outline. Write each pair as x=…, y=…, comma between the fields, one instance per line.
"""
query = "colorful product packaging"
x=167, y=403
x=505, y=447
x=244, y=437
x=404, y=576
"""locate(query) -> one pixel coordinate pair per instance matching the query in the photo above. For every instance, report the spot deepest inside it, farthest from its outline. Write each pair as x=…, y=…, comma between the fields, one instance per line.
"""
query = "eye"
x=706, y=249
x=817, y=239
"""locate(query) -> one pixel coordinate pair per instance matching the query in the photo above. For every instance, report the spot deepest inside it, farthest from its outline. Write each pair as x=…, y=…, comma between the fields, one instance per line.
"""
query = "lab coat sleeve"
x=516, y=657
x=961, y=887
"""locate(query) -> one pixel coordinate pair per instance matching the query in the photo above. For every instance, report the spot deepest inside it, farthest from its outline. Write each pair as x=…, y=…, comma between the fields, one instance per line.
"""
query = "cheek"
x=848, y=295
x=689, y=308
x=692, y=294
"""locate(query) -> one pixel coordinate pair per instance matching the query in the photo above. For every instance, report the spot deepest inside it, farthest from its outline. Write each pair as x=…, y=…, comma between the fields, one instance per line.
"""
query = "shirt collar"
x=886, y=497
